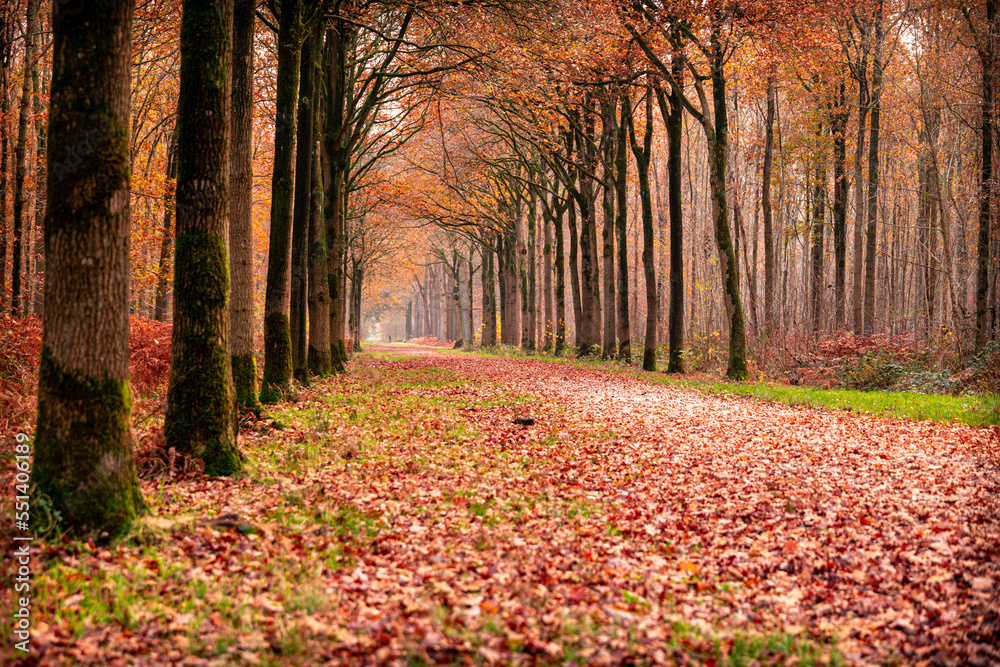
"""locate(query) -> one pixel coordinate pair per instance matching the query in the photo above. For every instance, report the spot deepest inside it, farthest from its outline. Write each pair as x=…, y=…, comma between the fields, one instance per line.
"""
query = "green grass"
x=971, y=410
x=981, y=410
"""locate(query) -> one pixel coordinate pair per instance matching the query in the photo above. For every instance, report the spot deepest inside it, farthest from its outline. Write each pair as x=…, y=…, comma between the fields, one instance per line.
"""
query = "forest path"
x=878, y=531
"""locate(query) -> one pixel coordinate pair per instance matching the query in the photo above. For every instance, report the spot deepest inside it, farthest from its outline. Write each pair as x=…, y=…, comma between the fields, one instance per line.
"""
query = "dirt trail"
x=879, y=531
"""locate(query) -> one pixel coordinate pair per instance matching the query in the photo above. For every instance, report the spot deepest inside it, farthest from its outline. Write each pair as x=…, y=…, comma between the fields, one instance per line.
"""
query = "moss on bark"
x=83, y=466
x=245, y=382
x=201, y=410
x=277, y=359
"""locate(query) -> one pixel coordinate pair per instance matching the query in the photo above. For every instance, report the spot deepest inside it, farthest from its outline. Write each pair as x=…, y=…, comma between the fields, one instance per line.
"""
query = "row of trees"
x=349, y=89
x=770, y=185
x=527, y=135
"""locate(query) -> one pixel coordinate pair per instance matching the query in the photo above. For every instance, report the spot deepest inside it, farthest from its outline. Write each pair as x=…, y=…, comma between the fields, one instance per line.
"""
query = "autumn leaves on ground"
x=400, y=516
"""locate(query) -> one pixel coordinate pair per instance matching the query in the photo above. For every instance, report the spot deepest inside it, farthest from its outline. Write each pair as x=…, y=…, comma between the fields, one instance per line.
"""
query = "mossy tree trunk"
x=303, y=211
x=335, y=172
x=319, y=297
x=489, y=336
x=868, y=325
x=718, y=139
x=201, y=405
x=277, y=333
x=83, y=464
x=643, y=154
x=988, y=57
x=240, y=220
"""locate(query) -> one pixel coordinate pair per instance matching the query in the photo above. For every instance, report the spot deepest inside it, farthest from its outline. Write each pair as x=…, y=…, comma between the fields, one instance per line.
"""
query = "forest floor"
x=400, y=516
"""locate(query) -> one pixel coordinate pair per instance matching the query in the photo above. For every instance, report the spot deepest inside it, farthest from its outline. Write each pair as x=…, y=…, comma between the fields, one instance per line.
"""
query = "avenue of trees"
x=621, y=178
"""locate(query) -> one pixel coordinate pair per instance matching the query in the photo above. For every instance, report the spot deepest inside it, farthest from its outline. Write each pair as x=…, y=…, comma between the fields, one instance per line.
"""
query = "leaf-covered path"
x=401, y=517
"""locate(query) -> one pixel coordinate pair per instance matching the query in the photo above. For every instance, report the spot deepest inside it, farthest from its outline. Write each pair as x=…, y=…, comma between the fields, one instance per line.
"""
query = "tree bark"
x=6, y=66
x=39, y=251
x=560, y=276
x=21, y=160
x=816, y=236
x=608, y=149
x=201, y=406
x=241, y=299
x=277, y=333
x=298, y=306
x=988, y=58
x=335, y=167
x=736, y=368
x=547, y=340
x=83, y=463
x=765, y=198
x=643, y=155
x=590, y=289
x=857, y=301
x=621, y=222
x=167, y=240
x=489, y=335
x=840, y=188
x=318, y=357
x=873, y=176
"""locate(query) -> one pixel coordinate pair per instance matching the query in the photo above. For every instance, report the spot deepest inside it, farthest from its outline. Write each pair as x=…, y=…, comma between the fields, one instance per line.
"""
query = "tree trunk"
x=201, y=406
x=318, y=357
x=547, y=276
x=873, y=146
x=358, y=284
x=574, y=273
x=816, y=240
x=642, y=160
x=83, y=463
x=840, y=188
x=6, y=66
x=590, y=289
x=298, y=308
x=526, y=250
x=621, y=222
x=859, y=202
x=469, y=333
x=36, y=85
x=277, y=333
x=335, y=166
x=765, y=198
x=241, y=302
x=560, y=276
x=21, y=159
x=489, y=335
x=736, y=368
x=167, y=241
x=608, y=147
x=988, y=58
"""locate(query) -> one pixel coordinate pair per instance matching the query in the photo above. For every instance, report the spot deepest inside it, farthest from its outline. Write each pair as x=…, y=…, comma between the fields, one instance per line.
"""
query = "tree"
x=201, y=407
x=293, y=21
x=241, y=350
x=986, y=37
x=642, y=155
x=723, y=24
x=21, y=157
x=83, y=461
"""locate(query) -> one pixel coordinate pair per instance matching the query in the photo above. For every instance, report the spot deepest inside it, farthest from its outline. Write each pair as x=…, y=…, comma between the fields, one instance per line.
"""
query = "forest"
x=500, y=332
